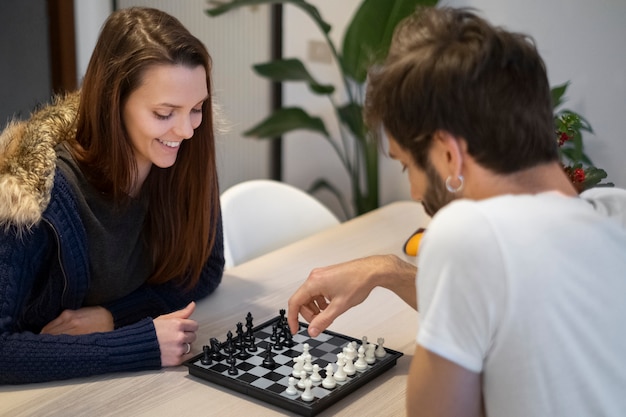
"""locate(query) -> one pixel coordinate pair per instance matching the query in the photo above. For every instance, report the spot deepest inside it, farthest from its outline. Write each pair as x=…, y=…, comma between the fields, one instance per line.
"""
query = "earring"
x=451, y=188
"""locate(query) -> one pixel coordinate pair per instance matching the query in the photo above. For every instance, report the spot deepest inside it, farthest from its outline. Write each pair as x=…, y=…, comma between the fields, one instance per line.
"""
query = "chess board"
x=269, y=383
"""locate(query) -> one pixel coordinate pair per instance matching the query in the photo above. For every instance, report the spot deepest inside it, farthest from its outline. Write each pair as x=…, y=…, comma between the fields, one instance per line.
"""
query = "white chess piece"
x=307, y=366
x=340, y=374
x=360, y=364
x=307, y=395
x=380, y=350
x=315, y=375
x=291, y=389
x=305, y=351
x=364, y=343
x=329, y=382
x=297, y=367
x=370, y=356
x=348, y=367
x=302, y=381
x=349, y=352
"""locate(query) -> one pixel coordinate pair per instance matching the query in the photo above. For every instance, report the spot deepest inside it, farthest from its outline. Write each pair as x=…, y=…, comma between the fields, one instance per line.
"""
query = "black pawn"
x=274, y=335
x=206, y=357
x=269, y=361
x=242, y=354
x=233, y=369
x=231, y=358
x=288, y=341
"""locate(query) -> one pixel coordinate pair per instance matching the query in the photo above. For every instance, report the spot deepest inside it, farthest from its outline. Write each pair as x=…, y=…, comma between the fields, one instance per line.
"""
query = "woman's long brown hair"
x=183, y=200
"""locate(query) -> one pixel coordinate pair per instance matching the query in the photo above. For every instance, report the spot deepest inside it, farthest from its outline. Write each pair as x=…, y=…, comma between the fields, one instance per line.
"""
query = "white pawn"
x=305, y=351
x=370, y=356
x=307, y=366
x=307, y=395
x=291, y=389
x=329, y=382
x=360, y=364
x=340, y=375
x=380, y=350
x=348, y=367
x=302, y=381
x=315, y=375
x=297, y=367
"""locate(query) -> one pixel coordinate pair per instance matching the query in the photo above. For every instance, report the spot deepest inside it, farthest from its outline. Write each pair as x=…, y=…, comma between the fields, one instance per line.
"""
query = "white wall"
x=235, y=41
x=580, y=41
x=308, y=156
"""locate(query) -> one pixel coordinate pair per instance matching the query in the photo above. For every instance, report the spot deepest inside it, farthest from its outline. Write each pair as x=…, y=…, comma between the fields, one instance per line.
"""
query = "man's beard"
x=436, y=195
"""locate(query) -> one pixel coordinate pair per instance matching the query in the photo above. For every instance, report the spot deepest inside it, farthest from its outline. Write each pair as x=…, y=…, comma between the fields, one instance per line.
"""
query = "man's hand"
x=82, y=321
x=330, y=291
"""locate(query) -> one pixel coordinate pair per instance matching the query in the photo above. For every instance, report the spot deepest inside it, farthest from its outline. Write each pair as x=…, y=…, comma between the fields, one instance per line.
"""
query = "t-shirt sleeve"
x=461, y=285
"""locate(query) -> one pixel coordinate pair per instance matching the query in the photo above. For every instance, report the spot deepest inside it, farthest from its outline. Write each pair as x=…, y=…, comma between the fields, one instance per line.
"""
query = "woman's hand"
x=175, y=333
x=82, y=321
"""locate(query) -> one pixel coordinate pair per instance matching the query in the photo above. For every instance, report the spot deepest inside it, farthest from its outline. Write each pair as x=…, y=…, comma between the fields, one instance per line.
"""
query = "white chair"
x=262, y=215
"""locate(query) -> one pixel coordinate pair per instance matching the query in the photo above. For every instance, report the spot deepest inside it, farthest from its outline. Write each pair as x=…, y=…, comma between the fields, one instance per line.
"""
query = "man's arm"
x=330, y=291
x=439, y=387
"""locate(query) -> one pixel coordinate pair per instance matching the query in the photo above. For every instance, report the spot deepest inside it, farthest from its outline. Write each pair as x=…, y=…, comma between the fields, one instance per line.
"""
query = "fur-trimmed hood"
x=28, y=160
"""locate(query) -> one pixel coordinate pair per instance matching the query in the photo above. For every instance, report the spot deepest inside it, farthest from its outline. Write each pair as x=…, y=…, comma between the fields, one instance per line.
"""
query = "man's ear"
x=447, y=153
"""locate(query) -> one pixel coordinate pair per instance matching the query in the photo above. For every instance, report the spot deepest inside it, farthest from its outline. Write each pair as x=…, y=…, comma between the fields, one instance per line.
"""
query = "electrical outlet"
x=318, y=51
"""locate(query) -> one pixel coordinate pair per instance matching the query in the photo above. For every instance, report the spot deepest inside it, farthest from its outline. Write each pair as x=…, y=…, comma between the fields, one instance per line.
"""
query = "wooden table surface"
x=261, y=286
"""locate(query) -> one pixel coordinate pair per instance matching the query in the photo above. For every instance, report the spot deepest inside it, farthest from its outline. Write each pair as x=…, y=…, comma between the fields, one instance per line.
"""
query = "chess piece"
x=315, y=374
x=233, y=369
x=329, y=382
x=206, y=355
x=360, y=364
x=348, y=366
x=269, y=361
x=307, y=366
x=349, y=351
x=307, y=395
x=215, y=350
x=370, y=356
x=229, y=343
x=380, y=351
x=298, y=362
x=302, y=381
x=340, y=374
x=291, y=389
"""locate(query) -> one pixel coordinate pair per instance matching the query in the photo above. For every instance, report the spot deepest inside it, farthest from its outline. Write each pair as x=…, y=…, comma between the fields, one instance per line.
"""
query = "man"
x=521, y=284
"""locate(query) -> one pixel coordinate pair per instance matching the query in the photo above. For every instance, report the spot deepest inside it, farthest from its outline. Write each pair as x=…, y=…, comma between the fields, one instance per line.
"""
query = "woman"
x=109, y=210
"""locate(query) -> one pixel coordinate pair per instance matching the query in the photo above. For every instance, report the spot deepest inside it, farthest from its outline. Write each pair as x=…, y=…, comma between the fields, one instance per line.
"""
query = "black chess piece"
x=206, y=357
x=274, y=334
x=249, y=320
x=229, y=343
x=242, y=354
x=239, y=338
x=251, y=345
x=288, y=340
x=231, y=358
x=215, y=350
x=233, y=369
x=268, y=360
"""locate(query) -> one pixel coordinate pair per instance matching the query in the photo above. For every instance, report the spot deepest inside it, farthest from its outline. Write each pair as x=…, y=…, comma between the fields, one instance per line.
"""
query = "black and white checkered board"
x=269, y=385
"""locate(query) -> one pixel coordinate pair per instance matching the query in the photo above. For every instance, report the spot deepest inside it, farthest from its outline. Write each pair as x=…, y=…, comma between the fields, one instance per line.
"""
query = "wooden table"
x=261, y=286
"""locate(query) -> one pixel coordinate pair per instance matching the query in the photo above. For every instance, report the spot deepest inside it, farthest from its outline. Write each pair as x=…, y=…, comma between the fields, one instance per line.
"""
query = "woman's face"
x=162, y=112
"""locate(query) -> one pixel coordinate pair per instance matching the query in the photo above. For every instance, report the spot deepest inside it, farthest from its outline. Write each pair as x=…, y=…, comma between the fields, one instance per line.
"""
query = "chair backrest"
x=262, y=215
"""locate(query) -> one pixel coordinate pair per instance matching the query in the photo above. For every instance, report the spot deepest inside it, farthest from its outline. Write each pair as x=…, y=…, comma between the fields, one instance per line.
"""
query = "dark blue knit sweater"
x=46, y=270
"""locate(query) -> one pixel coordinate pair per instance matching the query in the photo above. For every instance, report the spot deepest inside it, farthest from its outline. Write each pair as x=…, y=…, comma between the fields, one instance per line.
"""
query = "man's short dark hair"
x=449, y=69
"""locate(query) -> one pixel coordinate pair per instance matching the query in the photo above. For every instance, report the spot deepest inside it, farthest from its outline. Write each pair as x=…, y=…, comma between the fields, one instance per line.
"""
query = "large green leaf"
x=291, y=69
x=234, y=4
x=285, y=120
x=352, y=116
x=557, y=93
x=369, y=34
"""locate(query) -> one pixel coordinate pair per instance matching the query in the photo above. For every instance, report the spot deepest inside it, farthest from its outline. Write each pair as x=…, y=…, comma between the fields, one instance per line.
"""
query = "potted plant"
x=365, y=42
x=569, y=127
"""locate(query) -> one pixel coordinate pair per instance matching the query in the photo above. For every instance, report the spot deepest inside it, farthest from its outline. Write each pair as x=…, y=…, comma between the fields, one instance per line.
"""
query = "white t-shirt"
x=530, y=291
